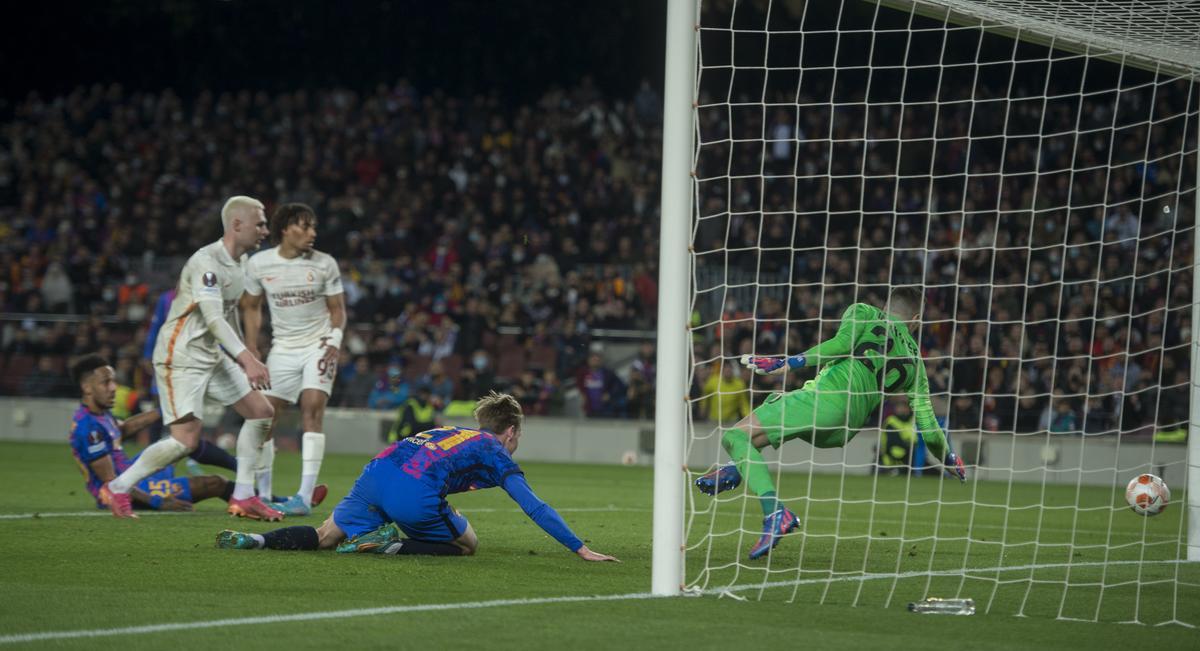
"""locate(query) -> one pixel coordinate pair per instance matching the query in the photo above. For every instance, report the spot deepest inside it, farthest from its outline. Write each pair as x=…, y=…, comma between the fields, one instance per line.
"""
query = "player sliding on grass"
x=873, y=354
x=96, y=442
x=405, y=487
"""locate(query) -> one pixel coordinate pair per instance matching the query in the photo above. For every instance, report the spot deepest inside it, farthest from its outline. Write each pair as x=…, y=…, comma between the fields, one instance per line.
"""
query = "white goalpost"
x=1029, y=167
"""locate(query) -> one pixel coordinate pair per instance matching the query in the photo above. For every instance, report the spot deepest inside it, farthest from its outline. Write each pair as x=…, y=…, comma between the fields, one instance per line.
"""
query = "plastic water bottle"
x=937, y=606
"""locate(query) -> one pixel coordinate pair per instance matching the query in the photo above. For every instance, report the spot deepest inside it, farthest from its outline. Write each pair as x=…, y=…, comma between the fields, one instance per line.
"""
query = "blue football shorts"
x=164, y=484
x=383, y=493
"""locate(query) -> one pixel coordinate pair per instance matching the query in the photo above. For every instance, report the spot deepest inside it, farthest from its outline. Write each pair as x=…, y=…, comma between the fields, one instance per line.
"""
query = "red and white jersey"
x=295, y=290
x=211, y=274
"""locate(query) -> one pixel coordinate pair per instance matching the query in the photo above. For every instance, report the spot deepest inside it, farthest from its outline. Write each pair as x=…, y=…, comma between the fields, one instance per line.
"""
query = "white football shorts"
x=294, y=370
x=181, y=389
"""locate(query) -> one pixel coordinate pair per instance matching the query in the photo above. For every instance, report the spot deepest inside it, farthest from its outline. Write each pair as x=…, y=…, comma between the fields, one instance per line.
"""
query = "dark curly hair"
x=286, y=215
x=85, y=366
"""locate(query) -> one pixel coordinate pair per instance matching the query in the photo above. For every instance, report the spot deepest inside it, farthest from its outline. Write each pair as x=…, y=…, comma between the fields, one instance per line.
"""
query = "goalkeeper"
x=873, y=354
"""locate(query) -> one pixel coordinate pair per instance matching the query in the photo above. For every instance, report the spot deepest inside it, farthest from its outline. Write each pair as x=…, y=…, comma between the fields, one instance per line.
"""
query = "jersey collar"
x=223, y=254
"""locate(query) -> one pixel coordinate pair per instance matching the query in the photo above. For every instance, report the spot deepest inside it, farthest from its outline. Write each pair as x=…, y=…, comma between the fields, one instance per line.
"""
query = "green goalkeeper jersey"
x=873, y=355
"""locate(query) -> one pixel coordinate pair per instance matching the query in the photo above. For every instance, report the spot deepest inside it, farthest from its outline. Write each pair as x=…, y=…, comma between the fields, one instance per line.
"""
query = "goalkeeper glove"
x=772, y=365
x=954, y=467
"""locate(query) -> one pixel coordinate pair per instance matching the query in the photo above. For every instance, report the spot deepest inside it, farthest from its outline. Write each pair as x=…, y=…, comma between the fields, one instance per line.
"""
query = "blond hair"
x=497, y=412
x=235, y=203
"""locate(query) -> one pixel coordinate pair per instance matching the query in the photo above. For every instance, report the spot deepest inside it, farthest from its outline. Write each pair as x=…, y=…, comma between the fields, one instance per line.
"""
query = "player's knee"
x=189, y=437
x=260, y=410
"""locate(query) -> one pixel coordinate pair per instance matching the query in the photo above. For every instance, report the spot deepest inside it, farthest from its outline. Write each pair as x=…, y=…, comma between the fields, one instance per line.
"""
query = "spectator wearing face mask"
x=479, y=376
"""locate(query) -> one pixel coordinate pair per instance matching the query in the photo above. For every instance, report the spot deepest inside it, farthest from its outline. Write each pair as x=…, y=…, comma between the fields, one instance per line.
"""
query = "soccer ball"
x=1147, y=495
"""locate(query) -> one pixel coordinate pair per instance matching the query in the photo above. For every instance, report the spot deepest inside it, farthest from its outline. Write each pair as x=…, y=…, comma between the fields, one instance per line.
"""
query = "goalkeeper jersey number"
x=873, y=355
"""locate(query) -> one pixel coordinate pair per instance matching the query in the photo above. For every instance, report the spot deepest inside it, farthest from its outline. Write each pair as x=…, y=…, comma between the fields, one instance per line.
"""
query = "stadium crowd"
x=1051, y=229
x=453, y=219
x=481, y=243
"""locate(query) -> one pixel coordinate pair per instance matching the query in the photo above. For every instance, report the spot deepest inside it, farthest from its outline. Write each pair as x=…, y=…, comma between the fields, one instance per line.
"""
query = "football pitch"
x=74, y=577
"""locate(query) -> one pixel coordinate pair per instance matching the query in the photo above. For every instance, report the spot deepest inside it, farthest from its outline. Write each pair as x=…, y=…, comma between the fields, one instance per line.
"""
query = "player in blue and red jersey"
x=96, y=443
x=404, y=489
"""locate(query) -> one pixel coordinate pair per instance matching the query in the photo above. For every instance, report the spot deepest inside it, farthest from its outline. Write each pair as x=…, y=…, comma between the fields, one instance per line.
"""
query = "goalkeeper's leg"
x=819, y=420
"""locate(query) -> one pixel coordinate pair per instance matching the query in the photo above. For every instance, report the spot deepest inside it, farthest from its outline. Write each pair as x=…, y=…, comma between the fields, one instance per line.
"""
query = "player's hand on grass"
x=256, y=371
x=173, y=503
x=589, y=555
x=954, y=467
x=772, y=365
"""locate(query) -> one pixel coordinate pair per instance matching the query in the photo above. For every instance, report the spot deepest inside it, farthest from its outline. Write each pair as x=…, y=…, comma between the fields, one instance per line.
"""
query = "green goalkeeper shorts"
x=819, y=417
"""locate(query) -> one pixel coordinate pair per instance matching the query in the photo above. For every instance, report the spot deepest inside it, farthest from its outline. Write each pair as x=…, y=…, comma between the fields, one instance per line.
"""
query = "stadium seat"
x=511, y=363
x=486, y=342
x=544, y=356
x=417, y=366
x=18, y=366
x=452, y=365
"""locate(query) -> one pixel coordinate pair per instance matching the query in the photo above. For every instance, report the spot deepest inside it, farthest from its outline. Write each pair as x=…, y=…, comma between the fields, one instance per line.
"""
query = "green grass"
x=80, y=573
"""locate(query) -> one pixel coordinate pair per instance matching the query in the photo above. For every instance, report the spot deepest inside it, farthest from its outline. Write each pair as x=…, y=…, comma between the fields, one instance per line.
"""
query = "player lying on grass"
x=96, y=442
x=872, y=355
x=404, y=489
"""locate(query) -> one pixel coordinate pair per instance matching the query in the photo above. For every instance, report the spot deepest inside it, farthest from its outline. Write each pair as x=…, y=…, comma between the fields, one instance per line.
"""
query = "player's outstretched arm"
x=773, y=365
x=589, y=555
x=931, y=429
x=547, y=518
x=140, y=422
x=836, y=347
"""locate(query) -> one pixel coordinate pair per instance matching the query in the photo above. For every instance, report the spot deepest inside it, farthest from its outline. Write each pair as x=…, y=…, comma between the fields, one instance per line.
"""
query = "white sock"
x=258, y=538
x=159, y=455
x=262, y=472
x=312, y=451
x=250, y=439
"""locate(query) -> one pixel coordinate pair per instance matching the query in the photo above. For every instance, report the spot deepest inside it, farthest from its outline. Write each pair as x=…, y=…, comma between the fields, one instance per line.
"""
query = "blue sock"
x=212, y=455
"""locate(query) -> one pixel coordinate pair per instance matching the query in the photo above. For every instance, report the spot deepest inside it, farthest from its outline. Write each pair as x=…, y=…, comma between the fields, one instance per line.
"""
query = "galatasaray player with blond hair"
x=303, y=289
x=199, y=351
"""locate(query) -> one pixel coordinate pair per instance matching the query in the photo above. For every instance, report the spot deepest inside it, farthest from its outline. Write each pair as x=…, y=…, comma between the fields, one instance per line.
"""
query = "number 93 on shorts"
x=295, y=369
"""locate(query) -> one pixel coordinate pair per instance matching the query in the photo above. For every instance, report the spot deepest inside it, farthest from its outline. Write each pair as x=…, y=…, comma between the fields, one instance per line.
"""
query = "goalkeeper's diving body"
x=872, y=355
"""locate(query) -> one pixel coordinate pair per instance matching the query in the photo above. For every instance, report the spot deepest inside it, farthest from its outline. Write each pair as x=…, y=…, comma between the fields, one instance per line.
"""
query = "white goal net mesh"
x=1031, y=167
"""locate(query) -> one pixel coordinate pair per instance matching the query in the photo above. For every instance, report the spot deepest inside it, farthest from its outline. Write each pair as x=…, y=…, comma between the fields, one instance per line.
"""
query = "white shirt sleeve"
x=253, y=284
x=333, y=279
x=214, y=318
x=206, y=285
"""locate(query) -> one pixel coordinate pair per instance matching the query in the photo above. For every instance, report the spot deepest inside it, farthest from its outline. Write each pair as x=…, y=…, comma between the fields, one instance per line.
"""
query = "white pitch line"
x=99, y=513
x=304, y=617
x=919, y=574
x=81, y=514
x=471, y=605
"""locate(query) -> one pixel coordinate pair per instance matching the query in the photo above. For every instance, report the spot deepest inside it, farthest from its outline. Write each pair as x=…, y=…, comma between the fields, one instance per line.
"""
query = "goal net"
x=1031, y=168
